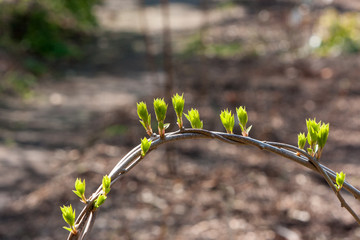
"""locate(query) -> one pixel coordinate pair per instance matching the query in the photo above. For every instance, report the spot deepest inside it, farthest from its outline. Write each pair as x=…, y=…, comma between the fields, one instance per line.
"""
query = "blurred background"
x=71, y=73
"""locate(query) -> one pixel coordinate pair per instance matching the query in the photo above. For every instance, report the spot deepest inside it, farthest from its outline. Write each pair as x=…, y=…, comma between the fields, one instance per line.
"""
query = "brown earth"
x=213, y=190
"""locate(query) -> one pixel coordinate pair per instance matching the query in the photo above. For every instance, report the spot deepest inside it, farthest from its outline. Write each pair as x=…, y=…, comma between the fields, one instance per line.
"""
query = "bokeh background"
x=71, y=73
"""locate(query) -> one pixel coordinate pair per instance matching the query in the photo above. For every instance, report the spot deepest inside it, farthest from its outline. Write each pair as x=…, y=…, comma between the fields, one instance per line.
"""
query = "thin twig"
x=337, y=193
x=90, y=224
x=332, y=175
x=133, y=157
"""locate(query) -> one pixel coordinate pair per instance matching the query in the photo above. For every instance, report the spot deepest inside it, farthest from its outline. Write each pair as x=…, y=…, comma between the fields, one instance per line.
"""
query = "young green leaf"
x=227, y=120
x=243, y=119
x=106, y=181
x=100, y=200
x=80, y=189
x=145, y=145
x=317, y=136
x=194, y=118
x=340, y=179
x=69, y=216
x=311, y=123
x=144, y=116
x=178, y=104
x=312, y=137
x=160, y=108
x=323, y=135
x=142, y=111
x=313, y=128
x=242, y=116
x=301, y=140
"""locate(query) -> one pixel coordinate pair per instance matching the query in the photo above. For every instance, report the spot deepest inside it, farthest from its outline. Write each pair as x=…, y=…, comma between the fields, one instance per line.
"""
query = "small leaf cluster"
x=99, y=201
x=178, y=104
x=228, y=120
x=340, y=179
x=67, y=211
x=80, y=189
x=301, y=140
x=243, y=119
x=194, y=118
x=145, y=146
x=106, y=182
x=69, y=216
x=160, y=108
x=317, y=136
x=145, y=117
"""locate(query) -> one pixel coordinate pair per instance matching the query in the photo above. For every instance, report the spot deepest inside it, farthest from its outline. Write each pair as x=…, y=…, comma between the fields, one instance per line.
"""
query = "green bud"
x=144, y=116
x=69, y=216
x=313, y=128
x=301, y=140
x=178, y=104
x=312, y=136
x=80, y=189
x=106, y=181
x=322, y=135
x=227, y=120
x=100, y=200
x=160, y=108
x=317, y=136
x=313, y=124
x=243, y=118
x=194, y=118
x=142, y=111
x=145, y=145
x=340, y=179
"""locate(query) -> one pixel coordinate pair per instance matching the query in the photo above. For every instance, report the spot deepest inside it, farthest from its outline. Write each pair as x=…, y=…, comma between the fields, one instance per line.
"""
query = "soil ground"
x=212, y=190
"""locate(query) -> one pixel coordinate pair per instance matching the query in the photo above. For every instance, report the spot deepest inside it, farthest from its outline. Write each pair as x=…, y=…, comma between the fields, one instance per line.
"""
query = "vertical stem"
x=203, y=61
x=169, y=74
x=167, y=50
x=149, y=56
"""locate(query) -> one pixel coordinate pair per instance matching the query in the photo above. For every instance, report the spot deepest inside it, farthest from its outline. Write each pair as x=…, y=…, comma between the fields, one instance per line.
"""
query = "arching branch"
x=86, y=219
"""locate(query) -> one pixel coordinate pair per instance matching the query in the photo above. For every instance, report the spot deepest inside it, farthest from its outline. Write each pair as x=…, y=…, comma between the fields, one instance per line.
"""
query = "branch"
x=132, y=158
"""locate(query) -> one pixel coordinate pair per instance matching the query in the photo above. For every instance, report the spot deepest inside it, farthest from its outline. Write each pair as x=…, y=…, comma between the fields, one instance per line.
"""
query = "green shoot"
x=322, y=137
x=313, y=127
x=340, y=179
x=178, y=104
x=301, y=140
x=227, y=120
x=243, y=118
x=69, y=217
x=194, y=118
x=106, y=181
x=100, y=200
x=145, y=145
x=160, y=108
x=145, y=117
x=80, y=189
x=317, y=136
